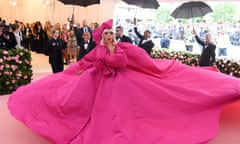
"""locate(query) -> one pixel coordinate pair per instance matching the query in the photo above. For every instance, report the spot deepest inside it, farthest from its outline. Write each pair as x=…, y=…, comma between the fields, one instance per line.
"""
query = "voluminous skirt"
x=125, y=98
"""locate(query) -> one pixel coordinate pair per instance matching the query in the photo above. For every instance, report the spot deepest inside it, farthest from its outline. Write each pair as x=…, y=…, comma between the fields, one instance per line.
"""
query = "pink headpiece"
x=97, y=34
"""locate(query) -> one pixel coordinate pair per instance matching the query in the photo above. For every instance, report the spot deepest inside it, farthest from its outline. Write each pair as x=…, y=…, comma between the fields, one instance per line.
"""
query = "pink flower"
x=5, y=52
x=13, y=81
x=7, y=82
x=1, y=67
x=7, y=65
x=18, y=74
x=14, y=67
x=6, y=72
x=9, y=58
x=21, y=53
x=26, y=61
x=16, y=57
x=25, y=77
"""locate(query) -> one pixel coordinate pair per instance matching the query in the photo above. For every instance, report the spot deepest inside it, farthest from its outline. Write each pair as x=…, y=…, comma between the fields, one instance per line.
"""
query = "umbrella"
x=152, y=4
x=83, y=3
x=191, y=9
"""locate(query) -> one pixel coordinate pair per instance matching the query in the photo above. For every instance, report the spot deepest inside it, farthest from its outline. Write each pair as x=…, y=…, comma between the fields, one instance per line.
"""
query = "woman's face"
x=108, y=36
x=56, y=34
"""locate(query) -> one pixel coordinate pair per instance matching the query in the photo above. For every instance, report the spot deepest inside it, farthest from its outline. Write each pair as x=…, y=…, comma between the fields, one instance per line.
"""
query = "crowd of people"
x=224, y=35
x=40, y=38
x=77, y=39
x=65, y=43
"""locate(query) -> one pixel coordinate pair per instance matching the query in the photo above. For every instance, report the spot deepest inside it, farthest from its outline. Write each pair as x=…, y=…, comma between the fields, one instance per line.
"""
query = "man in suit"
x=207, y=57
x=79, y=31
x=8, y=40
x=86, y=45
x=145, y=40
x=120, y=37
x=55, y=47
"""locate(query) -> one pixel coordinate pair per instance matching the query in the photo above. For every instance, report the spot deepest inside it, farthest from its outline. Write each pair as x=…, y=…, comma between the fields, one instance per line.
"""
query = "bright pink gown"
x=125, y=98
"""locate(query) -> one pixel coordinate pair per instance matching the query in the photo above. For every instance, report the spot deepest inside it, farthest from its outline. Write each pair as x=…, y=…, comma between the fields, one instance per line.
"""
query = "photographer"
x=7, y=38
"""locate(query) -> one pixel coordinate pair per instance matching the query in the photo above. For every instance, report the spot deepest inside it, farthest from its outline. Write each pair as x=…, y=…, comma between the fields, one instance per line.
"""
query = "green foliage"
x=163, y=15
x=229, y=67
x=224, y=12
x=181, y=56
x=15, y=69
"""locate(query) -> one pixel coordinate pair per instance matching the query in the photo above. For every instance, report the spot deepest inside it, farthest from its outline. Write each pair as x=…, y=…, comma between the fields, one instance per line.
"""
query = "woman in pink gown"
x=118, y=94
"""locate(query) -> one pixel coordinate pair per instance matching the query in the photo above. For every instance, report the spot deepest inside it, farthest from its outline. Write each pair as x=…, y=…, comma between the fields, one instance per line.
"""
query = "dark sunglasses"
x=110, y=32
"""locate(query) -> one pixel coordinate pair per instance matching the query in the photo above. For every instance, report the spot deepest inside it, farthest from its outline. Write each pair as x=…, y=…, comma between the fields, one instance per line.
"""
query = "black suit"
x=79, y=34
x=124, y=38
x=147, y=45
x=11, y=42
x=207, y=57
x=54, y=47
x=85, y=47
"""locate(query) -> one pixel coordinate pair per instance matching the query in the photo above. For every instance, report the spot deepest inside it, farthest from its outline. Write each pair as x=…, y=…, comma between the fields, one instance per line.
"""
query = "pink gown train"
x=125, y=98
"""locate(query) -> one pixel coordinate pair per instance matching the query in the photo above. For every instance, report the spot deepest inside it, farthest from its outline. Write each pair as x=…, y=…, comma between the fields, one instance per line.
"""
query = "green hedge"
x=15, y=69
x=227, y=66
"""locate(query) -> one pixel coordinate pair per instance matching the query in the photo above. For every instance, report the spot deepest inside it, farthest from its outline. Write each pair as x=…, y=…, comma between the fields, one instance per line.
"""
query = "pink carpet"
x=229, y=131
x=14, y=132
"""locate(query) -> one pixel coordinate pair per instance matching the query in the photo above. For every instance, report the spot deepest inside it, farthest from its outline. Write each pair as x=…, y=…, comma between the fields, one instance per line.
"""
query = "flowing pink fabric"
x=125, y=98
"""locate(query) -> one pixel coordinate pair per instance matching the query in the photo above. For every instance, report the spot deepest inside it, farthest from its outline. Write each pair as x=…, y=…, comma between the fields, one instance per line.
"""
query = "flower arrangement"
x=230, y=67
x=15, y=69
x=227, y=66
